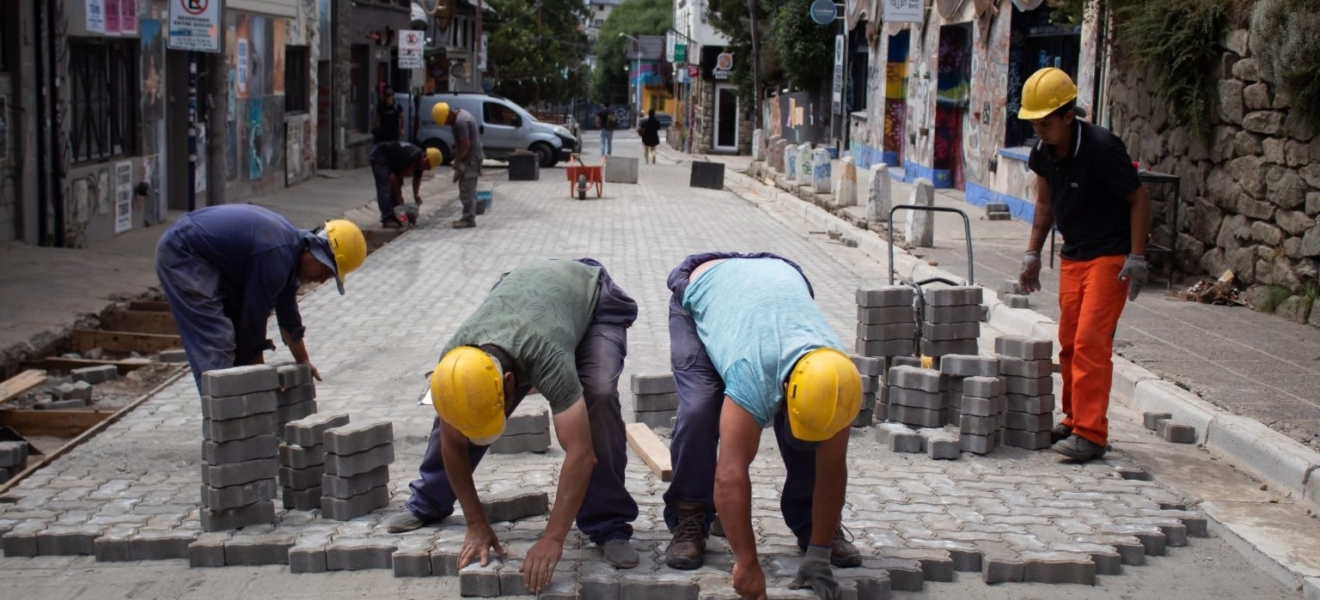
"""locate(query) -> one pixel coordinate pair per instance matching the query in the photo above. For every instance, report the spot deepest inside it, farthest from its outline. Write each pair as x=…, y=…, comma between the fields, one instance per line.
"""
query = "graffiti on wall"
x=255, y=144
x=984, y=123
x=153, y=113
x=299, y=149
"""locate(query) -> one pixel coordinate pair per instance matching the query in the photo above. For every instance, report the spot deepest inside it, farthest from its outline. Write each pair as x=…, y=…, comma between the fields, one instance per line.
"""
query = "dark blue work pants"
x=192, y=286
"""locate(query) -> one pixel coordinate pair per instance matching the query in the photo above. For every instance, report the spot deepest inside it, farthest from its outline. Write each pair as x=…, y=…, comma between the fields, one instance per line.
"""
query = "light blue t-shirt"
x=756, y=318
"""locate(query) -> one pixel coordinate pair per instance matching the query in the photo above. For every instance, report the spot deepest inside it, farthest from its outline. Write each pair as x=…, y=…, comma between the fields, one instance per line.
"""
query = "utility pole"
x=192, y=131
x=756, y=68
x=476, y=72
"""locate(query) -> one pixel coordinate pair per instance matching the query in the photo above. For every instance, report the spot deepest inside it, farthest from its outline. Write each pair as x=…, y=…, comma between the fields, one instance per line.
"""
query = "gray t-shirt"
x=538, y=314
x=465, y=128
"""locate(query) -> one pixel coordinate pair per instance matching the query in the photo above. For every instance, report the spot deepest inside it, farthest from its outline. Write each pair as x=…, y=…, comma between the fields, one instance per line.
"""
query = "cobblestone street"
x=938, y=528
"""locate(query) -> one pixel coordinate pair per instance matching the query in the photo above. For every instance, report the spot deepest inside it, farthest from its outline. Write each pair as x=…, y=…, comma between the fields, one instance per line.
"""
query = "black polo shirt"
x=1088, y=192
x=401, y=155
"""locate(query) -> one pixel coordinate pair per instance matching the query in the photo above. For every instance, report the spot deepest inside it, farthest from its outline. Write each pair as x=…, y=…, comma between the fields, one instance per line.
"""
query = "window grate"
x=103, y=88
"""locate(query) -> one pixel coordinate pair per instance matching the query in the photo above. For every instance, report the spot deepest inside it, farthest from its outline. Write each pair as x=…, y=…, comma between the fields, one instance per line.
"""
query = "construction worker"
x=750, y=349
x=1087, y=188
x=467, y=158
x=391, y=162
x=225, y=268
x=559, y=327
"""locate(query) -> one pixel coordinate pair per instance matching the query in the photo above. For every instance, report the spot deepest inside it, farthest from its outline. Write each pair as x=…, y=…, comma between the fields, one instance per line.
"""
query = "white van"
x=505, y=127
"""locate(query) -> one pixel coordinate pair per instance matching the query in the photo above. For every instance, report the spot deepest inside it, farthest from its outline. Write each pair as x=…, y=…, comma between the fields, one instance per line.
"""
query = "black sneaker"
x=1079, y=448
x=1059, y=433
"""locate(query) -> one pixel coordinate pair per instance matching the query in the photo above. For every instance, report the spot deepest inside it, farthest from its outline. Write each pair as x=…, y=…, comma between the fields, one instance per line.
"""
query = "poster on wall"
x=410, y=49
x=128, y=17
x=199, y=182
x=241, y=66
x=95, y=16
x=839, y=45
x=904, y=11
x=279, y=35
x=123, y=196
x=152, y=98
x=256, y=140
x=112, y=17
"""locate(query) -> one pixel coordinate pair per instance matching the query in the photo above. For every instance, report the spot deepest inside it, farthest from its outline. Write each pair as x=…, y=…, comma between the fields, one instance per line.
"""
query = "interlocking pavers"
x=343, y=509
x=1151, y=420
x=160, y=544
x=348, y=487
x=292, y=376
x=954, y=347
x=208, y=550
x=240, y=428
x=884, y=347
x=514, y=506
x=1023, y=348
x=889, y=331
x=662, y=383
x=301, y=457
x=292, y=412
x=354, y=464
x=962, y=365
x=357, y=437
x=915, y=378
x=252, y=514
x=359, y=554
x=254, y=448
x=310, y=430
x=1030, y=404
x=96, y=374
x=1025, y=386
x=300, y=479
x=219, y=476
x=1175, y=432
x=953, y=296
x=886, y=316
x=234, y=407
x=883, y=296
x=258, y=550
x=298, y=395
x=236, y=496
x=1017, y=367
x=237, y=381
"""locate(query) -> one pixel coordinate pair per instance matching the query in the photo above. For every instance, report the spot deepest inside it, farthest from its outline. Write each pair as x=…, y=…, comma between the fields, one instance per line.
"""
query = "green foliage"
x=1286, y=44
x=635, y=18
x=1068, y=12
x=1310, y=292
x=1178, y=42
x=1273, y=297
x=534, y=60
x=805, y=48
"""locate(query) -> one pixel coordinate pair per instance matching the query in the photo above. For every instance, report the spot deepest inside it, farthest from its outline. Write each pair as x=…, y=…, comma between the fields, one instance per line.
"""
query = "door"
x=175, y=153
x=324, y=122
x=726, y=118
x=501, y=134
x=953, y=95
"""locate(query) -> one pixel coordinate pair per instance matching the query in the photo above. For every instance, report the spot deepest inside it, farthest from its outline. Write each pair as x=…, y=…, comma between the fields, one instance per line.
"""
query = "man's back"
x=465, y=127
x=231, y=236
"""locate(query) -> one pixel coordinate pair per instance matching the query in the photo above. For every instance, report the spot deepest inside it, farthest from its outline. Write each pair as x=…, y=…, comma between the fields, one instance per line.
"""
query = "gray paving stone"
x=236, y=407
x=978, y=426
x=240, y=429
x=886, y=316
x=1029, y=422
x=301, y=479
x=916, y=399
x=977, y=407
x=113, y=546
x=652, y=402
x=161, y=544
x=983, y=387
x=297, y=395
x=354, y=464
x=359, y=554
x=884, y=332
x=914, y=378
x=1176, y=433
x=663, y=585
x=344, y=509
x=310, y=431
x=954, y=347
x=307, y=559
x=258, y=550
x=1003, y=569
x=599, y=581
x=172, y=355
x=1031, y=404
x=301, y=457
x=254, y=448
x=953, y=296
x=964, y=365
x=953, y=314
x=1023, y=348
x=533, y=422
x=349, y=487
x=292, y=376
x=237, y=381
x=358, y=437
x=252, y=514
x=444, y=562
x=904, y=361
x=1130, y=549
x=884, y=347
x=979, y=444
x=208, y=550
x=412, y=563
x=1152, y=419
x=906, y=442
x=948, y=332
x=1195, y=524
x=236, y=496
x=883, y=296
x=96, y=374
x=868, y=366
x=1017, y=367
x=918, y=417
x=67, y=541
x=531, y=442
x=220, y=476
x=884, y=431
x=1152, y=539
x=1058, y=567
x=1029, y=440
x=19, y=543
x=941, y=444
x=13, y=454
x=659, y=383
x=655, y=420
x=869, y=385
x=516, y=505
x=1029, y=387
x=78, y=390
x=905, y=575
x=561, y=588
x=292, y=412
x=1016, y=300
x=307, y=499
x=1106, y=560
x=480, y=582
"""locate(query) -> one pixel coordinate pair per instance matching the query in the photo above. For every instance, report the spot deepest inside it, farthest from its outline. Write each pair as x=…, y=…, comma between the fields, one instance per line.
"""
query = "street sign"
x=823, y=11
x=839, y=45
x=410, y=48
x=680, y=53
x=904, y=11
x=195, y=25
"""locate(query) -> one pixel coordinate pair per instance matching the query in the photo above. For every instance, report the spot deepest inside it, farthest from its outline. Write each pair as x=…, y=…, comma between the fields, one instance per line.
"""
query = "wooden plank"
x=20, y=384
x=149, y=305
x=83, y=340
x=654, y=452
x=139, y=321
x=53, y=423
x=55, y=363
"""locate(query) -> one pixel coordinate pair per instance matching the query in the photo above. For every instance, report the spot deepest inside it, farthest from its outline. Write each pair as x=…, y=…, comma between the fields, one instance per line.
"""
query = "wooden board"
x=20, y=384
x=654, y=452
x=149, y=305
x=55, y=363
x=83, y=340
x=53, y=423
x=139, y=321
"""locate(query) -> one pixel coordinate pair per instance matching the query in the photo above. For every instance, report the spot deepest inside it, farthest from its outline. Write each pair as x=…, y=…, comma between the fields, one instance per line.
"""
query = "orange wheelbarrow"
x=582, y=175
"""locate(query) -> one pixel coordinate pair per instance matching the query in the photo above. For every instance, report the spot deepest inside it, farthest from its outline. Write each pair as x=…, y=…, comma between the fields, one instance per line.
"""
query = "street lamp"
x=637, y=75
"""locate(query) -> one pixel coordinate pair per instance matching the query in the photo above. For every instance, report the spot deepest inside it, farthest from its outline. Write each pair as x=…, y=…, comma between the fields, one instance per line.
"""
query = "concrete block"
x=884, y=347
x=878, y=198
x=1016, y=300
x=530, y=442
x=886, y=316
x=349, y=487
x=173, y=355
x=948, y=332
x=236, y=407
x=78, y=390
x=1024, y=386
x=218, y=453
x=1031, y=404
x=344, y=509
x=297, y=395
x=1008, y=286
x=478, y=581
x=941, y=445
x=359, y=554
x=977, y=407
x=905, y=361
x=537, y=421
x=920, y=230
x=301, y=479
x=980, y=426
x=654, y=402
x=514, y=506
x=654, y=384
x=869, y=386
x=917, y=417
x=1023, y=348
x=964, y=365
x=238, y=381
x=983, y=387
x=868, y=366
x=970, y=313
x=226, y=475
x=953, y=296
x=906, y=442
x=953, y=347
x=821, y=172
x=307, y=559
x=292, y=376
x=978, y=444
x=905, y=575
x=885, y=296
x=357, y=437
x=60, y=404
x=113, y=546
x=1003, y=569
x=97, y=374
x=445, y=562
x=252, y=514
x=13, y=454
x=655, y=419
x=845, y=190
x=300, y=457
x=208, y=550
x=1031, y=422
x=412, y=563
x=1106, y=560
x=803, y=175
x=240, y=429
x=1030, y=440
x=307, y=499
x=1176, y=433
x=354, y=464
x=892, y=331
x=915, y=398
x=1017, y=367
x=1152, y=419
x=914, y=378
x=293, y=412
x=310, y=430
x=621, y=169
x=258, y=550
x=790, y=170
x=67, y=541
x=865, y=418
x=236, y=496
x=1058, y=567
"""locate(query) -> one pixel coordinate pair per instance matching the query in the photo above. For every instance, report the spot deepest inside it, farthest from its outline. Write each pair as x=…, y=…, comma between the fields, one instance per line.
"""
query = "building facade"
x=709, y=117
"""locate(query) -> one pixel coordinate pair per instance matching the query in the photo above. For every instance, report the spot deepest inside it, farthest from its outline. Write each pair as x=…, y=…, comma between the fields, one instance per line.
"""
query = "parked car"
x=505, y=128
x=666, y=120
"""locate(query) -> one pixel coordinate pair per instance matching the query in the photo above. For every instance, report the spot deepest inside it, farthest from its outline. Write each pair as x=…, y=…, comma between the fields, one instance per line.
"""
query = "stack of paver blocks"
x=886, y=321
x=357, y=474
x=240, y=450
x=915, y=398
x=297, y=399
x=302, y=459
x=978, y=378
x=871, y=411
x=952, y=321
x=655, y=400
x=527, y=432
x=13, y=459
x=1028, y=375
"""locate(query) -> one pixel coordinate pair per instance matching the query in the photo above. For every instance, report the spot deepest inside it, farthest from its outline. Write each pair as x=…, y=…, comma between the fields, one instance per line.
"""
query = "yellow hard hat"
x=824, y=394
x=467, y=390
x=433, y=155
x=1045, y=92
x=440, y=113
x=340, y=246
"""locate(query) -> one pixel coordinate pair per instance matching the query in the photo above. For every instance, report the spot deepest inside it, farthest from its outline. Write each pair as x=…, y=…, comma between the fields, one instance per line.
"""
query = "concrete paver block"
x=344, y=509
x=868, y=366
x=252, y=514
x=879, y=198
x=1151, y=420
x=1176, y=433
x=208, y=550
x=292, y=376
x=240, y=429
x=236, y=407
x=67, y=541
x=1016, y=300
x=949, y=332
x=301, y=457
x=1003, y=569
x=511, y=507
x=301, y=479
x=236, y=496
x=1038, y=386
x=979, y=426
x=480, y=582
x=1023, y=348
x=412, y=563
x=444, y=562
x=1058, y=567
x=886, y=315
x=885, y=431
x=892, y=331
x=238, y=381
x=953, y=296
x=655, y=419
x=220, y=476
x=1031, y=404
x=952, y=347
x=13, y=454
x=172, y=355
x=293, y=412
x=359, y=554
x=663, y=585
x=357, y=437
x=259, y=447
x=918, y=417
x=296, y=395
x=1152, y=539
x=1028, y=440
x=977, y=407
x=1017, y=367
x=662, y=383
x=964, y=365
x=865, y=417
x=354, y=464
x=983, y=387
x=307, y=559
x=905, y=575
x=655, y=402
x=915, y=398
x=310, y=431
x=96, y=374
x=258, y=550
x=886, y=296
x=530, y=442
x=78, y=390
x=522, y=424
x=113, y=546
x=941, y=445
x=970, y=313
x=1028, y=421
x=884, y=347
x=349, y=487
x=914, y=378
x=621, y=169
x=979, y=444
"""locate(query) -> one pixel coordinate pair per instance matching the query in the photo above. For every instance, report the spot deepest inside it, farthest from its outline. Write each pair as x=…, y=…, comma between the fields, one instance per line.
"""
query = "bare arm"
x=1140, y=203
x=573, y=430
x=739, y=438
x=417, y=183
x=299, y=350
x=831, y=487
x=1044, y=217
x=453, y=448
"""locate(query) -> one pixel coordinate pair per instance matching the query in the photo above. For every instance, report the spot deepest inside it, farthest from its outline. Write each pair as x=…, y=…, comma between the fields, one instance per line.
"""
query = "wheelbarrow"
x=917, y=285
x=582, y=175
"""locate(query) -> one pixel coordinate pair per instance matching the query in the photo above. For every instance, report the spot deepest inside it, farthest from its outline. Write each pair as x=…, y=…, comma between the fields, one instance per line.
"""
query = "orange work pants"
x=1091, y=299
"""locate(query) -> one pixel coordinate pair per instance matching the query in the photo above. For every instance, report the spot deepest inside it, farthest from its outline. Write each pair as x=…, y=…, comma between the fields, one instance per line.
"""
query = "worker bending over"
x=391, y=162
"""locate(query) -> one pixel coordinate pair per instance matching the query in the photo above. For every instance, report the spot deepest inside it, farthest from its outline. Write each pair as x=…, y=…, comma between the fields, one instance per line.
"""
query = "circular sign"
x=194, y=7
x=823, y=11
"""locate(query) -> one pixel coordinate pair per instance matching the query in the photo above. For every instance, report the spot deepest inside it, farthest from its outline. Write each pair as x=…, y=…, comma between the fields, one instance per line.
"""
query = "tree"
x=635, y=18
x=536, y=49
x=794, y=49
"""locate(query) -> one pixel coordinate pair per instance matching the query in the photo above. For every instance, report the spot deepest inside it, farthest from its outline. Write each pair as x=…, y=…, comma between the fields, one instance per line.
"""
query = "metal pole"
x=476, y=73
x=192, y=131
x=637, y=114
x=756, y=69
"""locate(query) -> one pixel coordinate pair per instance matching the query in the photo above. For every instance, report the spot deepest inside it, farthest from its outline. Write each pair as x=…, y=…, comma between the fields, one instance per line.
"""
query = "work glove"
x=459, y=169
x=814, y=572
x=1135, y=271
x=1030, y=277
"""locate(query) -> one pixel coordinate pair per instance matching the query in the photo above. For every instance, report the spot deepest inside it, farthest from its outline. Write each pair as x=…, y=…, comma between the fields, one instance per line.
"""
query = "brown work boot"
x=688, y=548
x=464, y=224
x=843, y=553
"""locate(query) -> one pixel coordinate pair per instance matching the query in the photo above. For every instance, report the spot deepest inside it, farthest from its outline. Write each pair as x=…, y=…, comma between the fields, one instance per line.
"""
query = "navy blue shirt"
x=1089, y=187
x=256, y=252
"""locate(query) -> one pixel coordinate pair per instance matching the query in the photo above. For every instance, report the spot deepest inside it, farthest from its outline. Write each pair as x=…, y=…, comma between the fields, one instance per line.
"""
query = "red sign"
x=194, y=7
x=694, y=70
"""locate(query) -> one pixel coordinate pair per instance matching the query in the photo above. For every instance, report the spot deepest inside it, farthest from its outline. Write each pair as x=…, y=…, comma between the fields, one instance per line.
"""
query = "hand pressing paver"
x=884, y=296
x=236, y=407
x=240, y=429
x=358, y=437
x=344, y=509
x=259, y=447
x=654, y=384
x=1023, y=348
x=238, y=381
x=310, y=430
x=511, y=507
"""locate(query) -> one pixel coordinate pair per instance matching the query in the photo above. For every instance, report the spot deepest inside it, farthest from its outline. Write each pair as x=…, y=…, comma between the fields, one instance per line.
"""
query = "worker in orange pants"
x=1087, y=188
